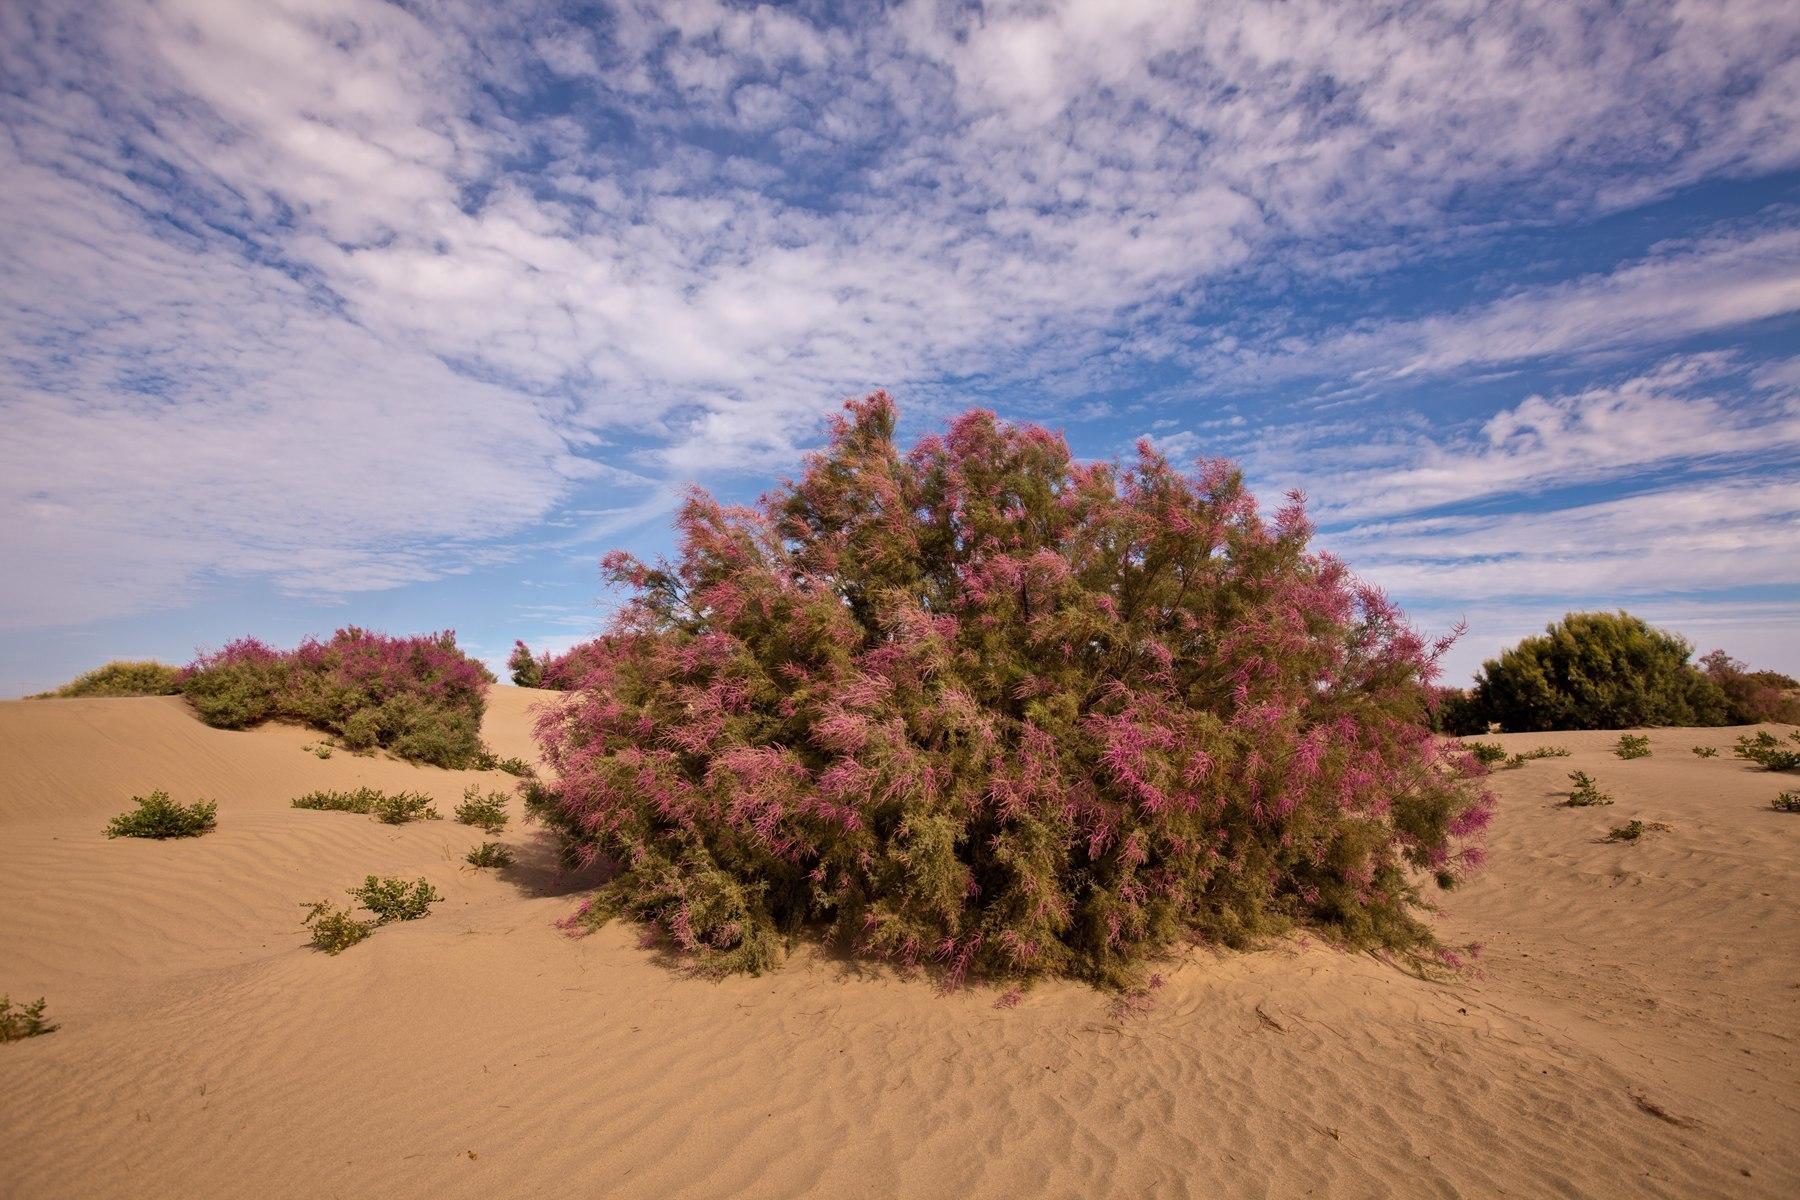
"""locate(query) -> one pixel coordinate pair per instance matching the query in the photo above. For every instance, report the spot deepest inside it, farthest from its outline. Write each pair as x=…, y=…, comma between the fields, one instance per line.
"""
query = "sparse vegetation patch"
x=23, y=1021
x=1583, y=792
x=486, y=812
x=1787, y=802
x=392, y=899
x=396, y=808
x=1767, y=751
x=490, y=854
x=157, y=816
x=1632, y=746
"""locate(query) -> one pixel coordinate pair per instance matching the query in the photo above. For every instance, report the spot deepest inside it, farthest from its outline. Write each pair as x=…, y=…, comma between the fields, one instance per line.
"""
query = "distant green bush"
x=1766, y=750
x=490, y=854
x=1632, y=746
x=1584, y=793
x=25, y=1021
x=420, y=698
x=121, y=677
x=395, y=809
x=1788, y=802
x=157, y=816
x=1706, y=751
x=1597, y=671
x=487, y=812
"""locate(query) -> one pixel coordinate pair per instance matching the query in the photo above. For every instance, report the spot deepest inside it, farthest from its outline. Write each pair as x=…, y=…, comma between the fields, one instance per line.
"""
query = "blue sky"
x=316, y=312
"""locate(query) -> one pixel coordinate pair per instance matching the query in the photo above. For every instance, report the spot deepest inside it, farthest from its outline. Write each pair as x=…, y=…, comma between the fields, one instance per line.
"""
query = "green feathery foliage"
x=1583, y=792
x=25, y=1021
x=157, y=816
x=1597, y=671
x=490, y=854
x=486, y=812
x=121, y=678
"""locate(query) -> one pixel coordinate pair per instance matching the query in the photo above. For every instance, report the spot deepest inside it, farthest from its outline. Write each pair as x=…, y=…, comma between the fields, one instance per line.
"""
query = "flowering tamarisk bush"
x=986, y=705
x=561, y=672
x=420, y=697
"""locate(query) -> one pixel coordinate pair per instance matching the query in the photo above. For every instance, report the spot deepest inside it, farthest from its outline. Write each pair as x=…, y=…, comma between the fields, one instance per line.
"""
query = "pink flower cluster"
x=985, y=706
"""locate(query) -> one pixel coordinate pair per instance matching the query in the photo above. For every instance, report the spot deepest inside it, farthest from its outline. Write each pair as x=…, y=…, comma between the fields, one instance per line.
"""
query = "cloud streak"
x=339, y=295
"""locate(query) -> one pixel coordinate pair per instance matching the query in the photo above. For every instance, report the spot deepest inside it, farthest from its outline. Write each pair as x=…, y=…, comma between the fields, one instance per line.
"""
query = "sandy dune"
x=1633, y=1031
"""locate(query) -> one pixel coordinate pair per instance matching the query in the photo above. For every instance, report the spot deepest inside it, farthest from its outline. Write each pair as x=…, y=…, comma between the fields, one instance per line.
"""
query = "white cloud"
x=332, y=293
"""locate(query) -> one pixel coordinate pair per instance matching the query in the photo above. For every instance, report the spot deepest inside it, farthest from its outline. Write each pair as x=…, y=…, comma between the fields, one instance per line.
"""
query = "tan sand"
x=1633, y=1031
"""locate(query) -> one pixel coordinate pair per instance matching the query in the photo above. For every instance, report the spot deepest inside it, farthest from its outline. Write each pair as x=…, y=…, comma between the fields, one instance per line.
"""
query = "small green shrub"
x=1706, y=752
x=321, y=750
x=393, y=899
x=516, y=766
x=25, y=1021
x=358, y=801
x=487, y=813
x=1788, y=802
x=1634, y=829
x=1632, y=745
x=1583, y=792
x=490, y=854
x=121, y=678
x=396, y=809
x=157, y=816
x=335, y=930
x=1487, y=753
x=1766, y=749
x=1525, y=756
x=402, y=807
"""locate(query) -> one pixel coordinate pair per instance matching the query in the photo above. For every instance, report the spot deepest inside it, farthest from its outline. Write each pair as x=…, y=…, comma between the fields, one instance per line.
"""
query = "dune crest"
x=1630, y=1032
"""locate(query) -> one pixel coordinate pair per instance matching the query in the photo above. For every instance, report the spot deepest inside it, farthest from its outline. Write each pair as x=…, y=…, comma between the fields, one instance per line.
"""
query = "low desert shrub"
x=1535, y=753
x=397, y=808
x=1583, y=792
x=1752, y=697
x=1632, y=746
x=1488, y=754
x=515, y=766
x=157, y=816
x=1597, y=671
x=420, y=698
x=1706, y=752
x=1787, y=802
x=335, y=930
x=1634, y=829
x=1767, y=751
x=490, y=854
x=122, y=678
x=486, y=812
x=986, y=706
x=25, y=1021
x=392, y=899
